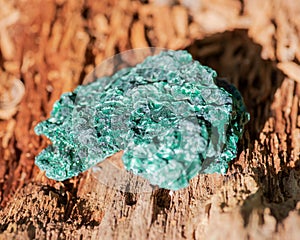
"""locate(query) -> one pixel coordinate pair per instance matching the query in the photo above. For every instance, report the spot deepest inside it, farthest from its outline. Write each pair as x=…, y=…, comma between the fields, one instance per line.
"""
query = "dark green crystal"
x=169, y=114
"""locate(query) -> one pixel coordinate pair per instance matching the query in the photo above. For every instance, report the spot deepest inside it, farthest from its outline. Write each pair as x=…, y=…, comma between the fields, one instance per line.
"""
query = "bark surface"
x=52, y=44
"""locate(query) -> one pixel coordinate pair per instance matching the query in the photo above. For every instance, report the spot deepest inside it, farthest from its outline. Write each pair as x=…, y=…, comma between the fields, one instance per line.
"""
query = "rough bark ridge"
x=52, y=44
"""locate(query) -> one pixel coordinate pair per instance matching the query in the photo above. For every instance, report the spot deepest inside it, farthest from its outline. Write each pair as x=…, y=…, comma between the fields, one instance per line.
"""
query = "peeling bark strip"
x=52, y=44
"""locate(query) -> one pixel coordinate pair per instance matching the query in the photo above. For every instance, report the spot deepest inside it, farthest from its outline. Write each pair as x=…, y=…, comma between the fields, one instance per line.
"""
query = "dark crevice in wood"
x=130, y=199
x=161, y=202
x=242, y=10
x=89, y=59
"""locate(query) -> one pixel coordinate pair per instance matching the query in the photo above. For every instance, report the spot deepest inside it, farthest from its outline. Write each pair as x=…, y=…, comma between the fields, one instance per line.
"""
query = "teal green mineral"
x=169, y=114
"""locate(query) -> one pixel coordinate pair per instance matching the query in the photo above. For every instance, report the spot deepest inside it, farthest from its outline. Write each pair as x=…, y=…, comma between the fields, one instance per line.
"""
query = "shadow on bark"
x=279, y=192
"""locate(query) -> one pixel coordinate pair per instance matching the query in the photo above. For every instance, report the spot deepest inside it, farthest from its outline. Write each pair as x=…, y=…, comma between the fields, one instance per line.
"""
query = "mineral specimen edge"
x=169, y=114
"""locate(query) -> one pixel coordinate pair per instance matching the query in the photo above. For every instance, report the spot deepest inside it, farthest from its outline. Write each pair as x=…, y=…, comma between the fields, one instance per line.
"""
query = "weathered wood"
x=52, y=44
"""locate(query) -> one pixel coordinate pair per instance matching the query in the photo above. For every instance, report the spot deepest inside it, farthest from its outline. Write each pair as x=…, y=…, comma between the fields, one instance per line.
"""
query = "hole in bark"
x=31, y=231
x=130, y=199
x=85, y=12
x=161, y=202
x=89, y=58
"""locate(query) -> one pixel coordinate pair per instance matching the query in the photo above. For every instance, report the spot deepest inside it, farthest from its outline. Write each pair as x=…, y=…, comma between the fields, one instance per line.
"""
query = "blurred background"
x=47, y=47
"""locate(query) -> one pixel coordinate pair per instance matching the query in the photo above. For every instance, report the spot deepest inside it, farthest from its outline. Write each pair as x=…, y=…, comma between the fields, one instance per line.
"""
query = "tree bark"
x=52, y=44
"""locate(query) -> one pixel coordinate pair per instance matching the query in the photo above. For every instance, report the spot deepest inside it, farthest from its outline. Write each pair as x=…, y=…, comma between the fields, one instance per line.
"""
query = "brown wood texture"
x=52, y=44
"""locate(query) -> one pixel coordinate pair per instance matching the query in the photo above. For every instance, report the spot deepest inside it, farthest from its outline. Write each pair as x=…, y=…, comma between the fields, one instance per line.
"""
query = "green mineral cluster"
x=169, y=114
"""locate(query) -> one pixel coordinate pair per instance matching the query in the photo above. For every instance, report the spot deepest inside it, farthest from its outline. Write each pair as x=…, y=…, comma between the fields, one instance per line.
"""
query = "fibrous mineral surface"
x=169, y=114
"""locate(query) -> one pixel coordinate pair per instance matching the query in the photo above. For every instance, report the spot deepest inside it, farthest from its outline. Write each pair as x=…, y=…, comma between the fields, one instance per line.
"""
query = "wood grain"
x=51, y=45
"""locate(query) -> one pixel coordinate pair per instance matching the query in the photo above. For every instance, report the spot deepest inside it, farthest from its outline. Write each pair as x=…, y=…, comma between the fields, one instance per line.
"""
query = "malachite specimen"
x=169, y=114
